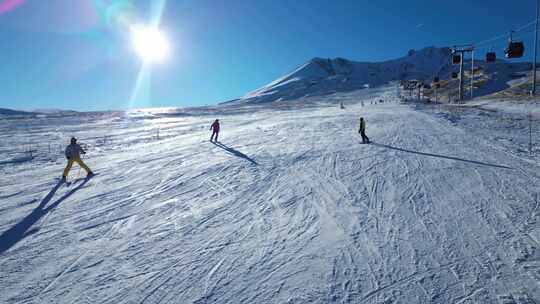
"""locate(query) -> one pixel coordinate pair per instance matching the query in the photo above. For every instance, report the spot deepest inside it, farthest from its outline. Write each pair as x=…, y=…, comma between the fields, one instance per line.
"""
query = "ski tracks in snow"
x=314, y=217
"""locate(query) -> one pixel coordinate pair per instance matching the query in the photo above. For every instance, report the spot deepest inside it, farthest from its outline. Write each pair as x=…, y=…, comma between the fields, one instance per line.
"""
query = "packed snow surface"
x=290, y=207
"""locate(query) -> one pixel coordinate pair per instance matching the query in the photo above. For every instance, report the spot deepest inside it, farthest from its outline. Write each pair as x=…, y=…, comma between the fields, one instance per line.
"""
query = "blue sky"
x=75, y=54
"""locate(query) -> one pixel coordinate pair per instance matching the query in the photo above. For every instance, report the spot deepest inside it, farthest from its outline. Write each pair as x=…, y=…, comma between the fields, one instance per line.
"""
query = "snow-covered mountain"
x=325, y=76
x=9, y=112
x=52, y=111
x=319, y=76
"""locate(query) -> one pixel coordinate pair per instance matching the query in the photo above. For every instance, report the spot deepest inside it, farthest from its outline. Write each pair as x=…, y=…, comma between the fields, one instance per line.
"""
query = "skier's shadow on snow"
x=441, y=156
x=22, y=229
x=235, y=152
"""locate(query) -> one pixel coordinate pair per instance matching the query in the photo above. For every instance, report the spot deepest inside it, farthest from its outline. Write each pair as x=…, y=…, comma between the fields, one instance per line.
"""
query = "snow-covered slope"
x=290, y=208
x=510, y=79
x=512, y=82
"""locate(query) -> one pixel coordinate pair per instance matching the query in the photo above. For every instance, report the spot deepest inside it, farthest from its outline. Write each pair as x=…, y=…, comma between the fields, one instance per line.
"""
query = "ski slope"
x=443, y=207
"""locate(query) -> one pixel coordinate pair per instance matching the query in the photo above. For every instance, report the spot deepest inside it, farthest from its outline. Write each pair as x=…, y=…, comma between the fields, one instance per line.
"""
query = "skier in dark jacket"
x=362, y=131
x=215, y=130
x=73, y=155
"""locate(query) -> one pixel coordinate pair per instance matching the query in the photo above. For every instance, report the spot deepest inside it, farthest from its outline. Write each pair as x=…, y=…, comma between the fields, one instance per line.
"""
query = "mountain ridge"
x=320, y=76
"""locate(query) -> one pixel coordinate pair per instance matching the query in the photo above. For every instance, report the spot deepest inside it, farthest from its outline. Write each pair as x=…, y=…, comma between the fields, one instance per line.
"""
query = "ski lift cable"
x=484, y=42
x=520, y=35
x=505, y=34
x=491, y=46
x=437, y=73
x=504, y=43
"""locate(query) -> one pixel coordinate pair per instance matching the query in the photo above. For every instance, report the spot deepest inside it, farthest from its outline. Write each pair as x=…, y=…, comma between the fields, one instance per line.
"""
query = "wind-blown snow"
x=443, y=207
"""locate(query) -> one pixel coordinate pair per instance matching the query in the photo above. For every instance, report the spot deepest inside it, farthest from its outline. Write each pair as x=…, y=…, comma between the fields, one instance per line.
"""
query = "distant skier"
x=341, y=106
x=215, y=130
x=362, y=131
x=73, y=155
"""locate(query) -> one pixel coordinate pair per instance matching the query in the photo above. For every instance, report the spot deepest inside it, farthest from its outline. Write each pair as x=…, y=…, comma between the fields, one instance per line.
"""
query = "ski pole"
x=79, y=171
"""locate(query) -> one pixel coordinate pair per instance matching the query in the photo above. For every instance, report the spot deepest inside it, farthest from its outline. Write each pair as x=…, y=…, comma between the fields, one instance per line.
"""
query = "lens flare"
x=115, y=14
x=9, y=5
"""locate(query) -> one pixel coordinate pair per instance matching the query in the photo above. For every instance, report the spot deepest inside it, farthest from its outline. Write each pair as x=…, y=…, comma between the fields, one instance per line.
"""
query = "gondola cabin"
x=491, y=57
x=454, y=75
x=456, y=59
x=515, y=49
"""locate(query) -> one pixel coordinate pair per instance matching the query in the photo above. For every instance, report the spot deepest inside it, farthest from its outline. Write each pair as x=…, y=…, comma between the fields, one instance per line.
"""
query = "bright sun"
x=149, y=43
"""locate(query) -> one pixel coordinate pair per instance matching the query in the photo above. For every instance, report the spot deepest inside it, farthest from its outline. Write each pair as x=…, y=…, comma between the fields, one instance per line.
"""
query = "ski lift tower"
x=458, y=52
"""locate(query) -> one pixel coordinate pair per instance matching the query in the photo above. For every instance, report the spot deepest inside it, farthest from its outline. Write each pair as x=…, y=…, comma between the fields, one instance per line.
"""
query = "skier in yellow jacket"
x=73, y=155
x=362, y=131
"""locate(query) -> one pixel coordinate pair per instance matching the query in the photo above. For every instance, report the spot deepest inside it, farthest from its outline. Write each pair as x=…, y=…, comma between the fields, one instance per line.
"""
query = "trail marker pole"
x=530, y=116
x=472, y=73
x=461, y=76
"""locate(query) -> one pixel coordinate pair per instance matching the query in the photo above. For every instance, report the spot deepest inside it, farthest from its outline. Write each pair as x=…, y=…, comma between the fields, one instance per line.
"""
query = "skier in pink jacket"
x=215, y=130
